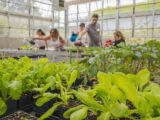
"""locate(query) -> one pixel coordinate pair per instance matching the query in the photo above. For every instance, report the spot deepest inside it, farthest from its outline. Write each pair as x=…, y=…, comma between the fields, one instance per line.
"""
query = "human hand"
x=57, y=46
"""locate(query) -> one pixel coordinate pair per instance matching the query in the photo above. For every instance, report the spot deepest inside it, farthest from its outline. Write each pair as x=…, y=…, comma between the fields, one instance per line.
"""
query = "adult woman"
x=119, y=38
x=39, y=43
x=84, y=39
x=55, y=39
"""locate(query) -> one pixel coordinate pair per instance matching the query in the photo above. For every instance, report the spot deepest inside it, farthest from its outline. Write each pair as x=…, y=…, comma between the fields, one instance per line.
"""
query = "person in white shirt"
x=84, y=39
x=55, y=39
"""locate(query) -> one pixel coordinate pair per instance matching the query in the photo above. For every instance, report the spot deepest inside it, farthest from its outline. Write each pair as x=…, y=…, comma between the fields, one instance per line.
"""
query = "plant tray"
x=19, y=115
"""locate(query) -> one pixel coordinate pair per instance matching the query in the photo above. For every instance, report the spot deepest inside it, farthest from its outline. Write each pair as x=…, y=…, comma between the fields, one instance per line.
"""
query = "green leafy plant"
x=65, y=94
x=110, y=97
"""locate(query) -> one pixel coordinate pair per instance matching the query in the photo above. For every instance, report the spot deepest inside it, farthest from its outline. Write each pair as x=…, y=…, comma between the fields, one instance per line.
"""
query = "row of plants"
x=18, y=77
x=114, y=96
x=126, y=59
x=118, y=96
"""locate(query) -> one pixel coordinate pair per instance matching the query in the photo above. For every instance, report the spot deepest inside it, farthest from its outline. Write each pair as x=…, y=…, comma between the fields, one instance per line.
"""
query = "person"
x=119, y=38
x=93, y=31
x=56, y=41
x=39, y=44
x=84, y=39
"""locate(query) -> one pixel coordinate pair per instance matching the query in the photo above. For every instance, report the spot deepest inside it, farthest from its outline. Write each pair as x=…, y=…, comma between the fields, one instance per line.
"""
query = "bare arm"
x=86, y=41
x=62, y=42
x=77, y=33
x=101, y=41
x=80, y=35
x=41, y=38
x=46, y=43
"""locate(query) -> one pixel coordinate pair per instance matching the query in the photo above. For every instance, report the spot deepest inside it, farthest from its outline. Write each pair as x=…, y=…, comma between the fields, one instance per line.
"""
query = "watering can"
x=73, y=37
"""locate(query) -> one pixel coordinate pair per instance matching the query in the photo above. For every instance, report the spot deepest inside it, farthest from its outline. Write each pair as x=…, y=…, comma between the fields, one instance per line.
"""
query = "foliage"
x=126, y=59
x=110, y=97
x=26, y=75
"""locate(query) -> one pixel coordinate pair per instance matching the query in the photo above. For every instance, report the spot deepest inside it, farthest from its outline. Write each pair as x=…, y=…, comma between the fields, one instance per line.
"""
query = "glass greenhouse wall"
x=20, y=18
x=138, y=19
x=135, y=18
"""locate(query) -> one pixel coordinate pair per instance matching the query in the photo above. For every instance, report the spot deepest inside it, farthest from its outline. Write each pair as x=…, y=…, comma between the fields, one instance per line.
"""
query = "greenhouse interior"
x=79, y=59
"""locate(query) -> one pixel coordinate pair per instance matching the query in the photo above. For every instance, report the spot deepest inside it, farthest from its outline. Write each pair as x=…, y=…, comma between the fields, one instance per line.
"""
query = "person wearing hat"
x=83, y=41
x=93, y=30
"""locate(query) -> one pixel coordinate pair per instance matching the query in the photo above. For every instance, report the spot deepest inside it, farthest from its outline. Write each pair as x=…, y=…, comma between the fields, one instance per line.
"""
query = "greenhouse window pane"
x=96, y=7
x=18, y=32
x=144, y=6
x=108, y=33
x=126, y=32
x=18, y=6
x=109, y=24
x=62, y=16
x=18, y=22
x=83, y=16
x=157, y=21
x=143, y=22
x=83, y=7
x=72, y=17
x=72, y=9
x=125, y=23
x=3, y=5
x=141, y=33
x=3, y=25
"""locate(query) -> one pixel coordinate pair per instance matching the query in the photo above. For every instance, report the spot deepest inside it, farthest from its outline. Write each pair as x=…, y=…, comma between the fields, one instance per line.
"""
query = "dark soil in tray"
x=61, y=109
x=20, y=115
x=11, y=107
x=25, y=103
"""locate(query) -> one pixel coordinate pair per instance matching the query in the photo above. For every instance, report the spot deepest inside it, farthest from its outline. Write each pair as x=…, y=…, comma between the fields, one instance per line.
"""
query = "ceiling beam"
x=74, y=2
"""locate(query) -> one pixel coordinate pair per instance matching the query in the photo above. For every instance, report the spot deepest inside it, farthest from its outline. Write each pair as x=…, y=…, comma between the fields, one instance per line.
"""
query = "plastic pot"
x=11, y=107
x=26, y=103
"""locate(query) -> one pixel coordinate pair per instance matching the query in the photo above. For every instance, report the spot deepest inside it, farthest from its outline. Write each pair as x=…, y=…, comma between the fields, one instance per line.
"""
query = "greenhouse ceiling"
x=72, y=2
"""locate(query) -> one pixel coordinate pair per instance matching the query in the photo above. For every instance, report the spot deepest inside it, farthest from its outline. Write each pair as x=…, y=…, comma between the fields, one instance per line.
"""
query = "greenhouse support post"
x=66, y=24
x=77, y=16
x=29, y=17
x=8, y=23
x=33, y=20
x=153, y=17
x=133, y=18
x=89, y=11
x=117, y=14
x=102, y=14
x=53, y=15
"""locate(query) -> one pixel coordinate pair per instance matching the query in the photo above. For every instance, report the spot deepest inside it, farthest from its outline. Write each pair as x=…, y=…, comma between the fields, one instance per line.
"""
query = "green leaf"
x=68, y=113
x=85, y=98
x=133, y=79
x=72, y=79
x=3, y=107
x=15, y=90
x=143, y=78
x=144, y=107
x=138, y=54
x=115, y=94
x=79, y=114
x=102, y=92
x=155, y=118
x=104, y=116
x=51, y=80
x=42, y=89
x=118, y=110
x=50, y=111
x=123, y=82
x=105, y=79
x=45, y=98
